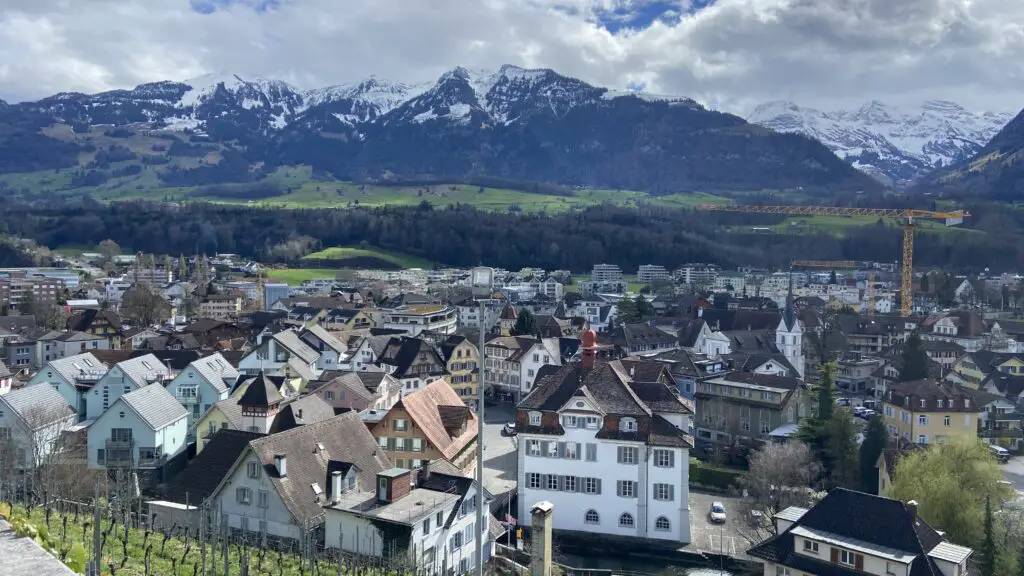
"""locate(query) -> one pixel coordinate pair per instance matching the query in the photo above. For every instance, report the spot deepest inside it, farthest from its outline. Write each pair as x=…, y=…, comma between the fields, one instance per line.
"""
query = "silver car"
x=717, y=513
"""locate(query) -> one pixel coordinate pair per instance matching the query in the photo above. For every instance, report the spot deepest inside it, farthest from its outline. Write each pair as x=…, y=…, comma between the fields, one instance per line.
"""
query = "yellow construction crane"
x=907, y=216
x=833, y=264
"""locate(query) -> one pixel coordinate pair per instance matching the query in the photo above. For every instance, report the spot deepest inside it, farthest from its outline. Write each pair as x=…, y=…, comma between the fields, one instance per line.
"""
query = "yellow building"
x=974, y=367
x=929, y=411
x=460, y=357
x=225, y=414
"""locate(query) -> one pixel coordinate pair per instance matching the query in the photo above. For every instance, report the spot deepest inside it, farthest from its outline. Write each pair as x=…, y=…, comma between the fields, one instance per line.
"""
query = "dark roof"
x=748, y=362
x=84, y=320
x=630, y=335
x=641, y=370
x=303, y=411
x=18, y=323
x=453, y=417
x=407, y=299
x=447, y=347
x=204, y=473
x=508, y=312
x=858, y=516
x=345, y=438
x=403, y=353
x=931, y=391
x=881, y=324
x=262, y=390
x=752, y=341
x=1009, y=385
x=769, y=380
x=689, y=331
x=741, y=319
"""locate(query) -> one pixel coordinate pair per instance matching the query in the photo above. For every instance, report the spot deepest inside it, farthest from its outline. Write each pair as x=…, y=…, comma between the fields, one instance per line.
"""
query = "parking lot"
x=724, y=538
x=500, y=459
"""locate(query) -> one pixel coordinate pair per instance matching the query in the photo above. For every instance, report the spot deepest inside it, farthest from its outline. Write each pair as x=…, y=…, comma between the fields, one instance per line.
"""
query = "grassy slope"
x=397, y=258
x=296, y=276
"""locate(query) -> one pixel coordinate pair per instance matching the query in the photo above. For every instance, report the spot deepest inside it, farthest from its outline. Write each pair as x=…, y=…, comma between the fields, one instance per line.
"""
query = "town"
x=683, y=414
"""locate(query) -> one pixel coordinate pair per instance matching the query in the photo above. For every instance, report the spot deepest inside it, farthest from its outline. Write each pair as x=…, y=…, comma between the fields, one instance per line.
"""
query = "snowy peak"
x=898, y=145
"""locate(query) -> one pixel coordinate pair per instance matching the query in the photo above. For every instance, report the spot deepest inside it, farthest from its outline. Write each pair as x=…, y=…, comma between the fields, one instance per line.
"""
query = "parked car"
x=1002, y=454
x=717, y=513
x=842, y=401
x=509, y=429
x=872, y=404
x=867, y=413
x=859, y=410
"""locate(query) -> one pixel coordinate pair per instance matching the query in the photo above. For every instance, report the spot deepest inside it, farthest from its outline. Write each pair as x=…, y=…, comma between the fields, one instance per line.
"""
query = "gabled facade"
x=414, y=362
x=201, y=384
x=275, y=352
x=853, y=533
x=513, y=363
x=609, y=450
x=32, y=420
x=461, y=357
x=98, y=322
x=361, y=391
x=331, y=349
x=122, y=378
x=73, y=377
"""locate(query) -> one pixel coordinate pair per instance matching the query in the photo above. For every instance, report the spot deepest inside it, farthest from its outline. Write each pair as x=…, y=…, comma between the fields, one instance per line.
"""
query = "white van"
x=1001, y=454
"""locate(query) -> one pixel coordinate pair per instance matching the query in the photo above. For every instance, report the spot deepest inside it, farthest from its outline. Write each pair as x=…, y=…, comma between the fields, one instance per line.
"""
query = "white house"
x=789, y=337
x=73, y=377
x=56, y=344
x=280, y=349
x=430, y=517
x=122, y=378
x=330, y=348
x=142, y=430
x=278, y=486
x=32, y=419
x=415, y=318
x=513, y=362
x=201, y=384
x=610, y=452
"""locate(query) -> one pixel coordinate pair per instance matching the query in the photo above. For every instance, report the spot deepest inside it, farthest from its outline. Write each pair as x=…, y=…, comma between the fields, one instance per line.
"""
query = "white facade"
x=121, y=429
x=648, y=273
x=543, y=353
x=118, y=381
x=33, y=434
x=194, y=390
x=790, y=343
x=247, y=500
x=595, y=491
x=417, y=318
x=606, y=273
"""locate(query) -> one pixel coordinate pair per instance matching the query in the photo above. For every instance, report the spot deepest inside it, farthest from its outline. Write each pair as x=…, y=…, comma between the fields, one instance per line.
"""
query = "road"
x=501, y=464
x=1014, y=472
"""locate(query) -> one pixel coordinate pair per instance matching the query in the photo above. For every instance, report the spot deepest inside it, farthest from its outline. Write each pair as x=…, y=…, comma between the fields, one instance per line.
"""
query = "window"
x=263, y=499
x=662, y=524
x=569, y=422
x=847, y=557
x=664, y=492
x=890, y=569
x=417, y=445
x=591, y=452
x=781, y=571
x=626, y=520
x=536, y=357
x=626, y=488
x=243, y=496
x=592, y=517
x=766, y=427
x=592, y=422
x=810, y=546
x=570, y=484
x=253, y=468
x=627, y=455
x=922, y=439
x=534, y=418
x=945, y=420
x=628, y=425
x=572, y=451
x=592, y=485
x=533, y=447
x=664, y=458
x=533, y=480
x=329, y=395
x=552, y=482
x=922, y=419
x=101, y=457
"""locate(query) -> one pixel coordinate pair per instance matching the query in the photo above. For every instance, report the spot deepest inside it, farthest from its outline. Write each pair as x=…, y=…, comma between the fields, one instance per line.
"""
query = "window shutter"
x=671, y=492
x=671, y=459
x=560, y=450
x=561, y=482
x=544, y=448
x=835, y=555
x=598, y=485
x=543, y=481
x=592, y=452
x=858, y=562
x=618, y=452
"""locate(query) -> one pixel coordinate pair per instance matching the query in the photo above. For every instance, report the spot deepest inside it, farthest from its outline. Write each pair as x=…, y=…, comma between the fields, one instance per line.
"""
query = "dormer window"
x=628, y=425
x=967, y=403
x=810, y=546
x=534, y=418
x=924, y=403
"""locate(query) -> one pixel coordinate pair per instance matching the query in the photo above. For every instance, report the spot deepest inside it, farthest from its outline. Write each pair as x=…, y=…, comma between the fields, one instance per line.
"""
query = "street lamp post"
x=483, y=280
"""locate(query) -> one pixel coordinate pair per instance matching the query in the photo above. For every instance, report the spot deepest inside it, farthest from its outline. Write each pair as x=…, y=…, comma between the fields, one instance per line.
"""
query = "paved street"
x=500, y=460
x=1014, y=471
x=716, y=538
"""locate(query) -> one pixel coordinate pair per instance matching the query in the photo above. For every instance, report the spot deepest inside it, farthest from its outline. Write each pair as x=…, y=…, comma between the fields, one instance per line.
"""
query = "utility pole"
x=97, y=550
x=483, y=281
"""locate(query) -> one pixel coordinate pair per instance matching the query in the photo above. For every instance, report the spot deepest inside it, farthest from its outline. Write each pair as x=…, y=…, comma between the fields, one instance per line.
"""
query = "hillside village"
x=622, y=409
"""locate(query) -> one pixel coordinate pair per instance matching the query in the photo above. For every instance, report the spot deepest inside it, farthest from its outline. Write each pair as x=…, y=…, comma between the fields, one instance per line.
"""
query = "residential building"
x=962, y=327
x=896, y=448
x=1002, y=424
x=135, y=337
x=468, y=312
x=606, y=273
x=741, y=407
x=54, y=345
x=331, y=349
x=259, y=403
x=429, y=424
x=200, y=385
x=144, y=430
x=277, y=487
x=594, y=287
x=301, y=411
x=369, y=390
x=930, y=411
x=6, y=379
x=513, y=363
x=272, y=293
x=460, y=357
x=688, y=369
x=873, y=335
x=413, y=362
x=44, y=291
x=649, y=273
x=345, y=319
x=638, y=340
x=854, y=533
x=222, y=306
x=73, y=377
x=98, y=322
x=415, y=318
x=281, y=349
x=424, y=519
x=855, y=371
x=609, y=450
x=697, y=274
x=32, y=419
x=973, y=367
x=123, y=378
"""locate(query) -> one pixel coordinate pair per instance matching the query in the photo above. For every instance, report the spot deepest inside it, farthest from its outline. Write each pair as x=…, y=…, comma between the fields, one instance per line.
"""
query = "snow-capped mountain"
x=896, y=145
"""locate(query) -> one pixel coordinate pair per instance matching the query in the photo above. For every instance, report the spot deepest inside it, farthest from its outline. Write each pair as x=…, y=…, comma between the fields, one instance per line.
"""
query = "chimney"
x=589, y=345
x=912, y=508
x=336, y=481
x=282, y=465
x=300, y=413
x=540, y=538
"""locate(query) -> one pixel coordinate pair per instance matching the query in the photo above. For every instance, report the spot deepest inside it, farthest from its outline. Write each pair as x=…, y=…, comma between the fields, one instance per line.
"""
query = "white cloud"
x=733, y=54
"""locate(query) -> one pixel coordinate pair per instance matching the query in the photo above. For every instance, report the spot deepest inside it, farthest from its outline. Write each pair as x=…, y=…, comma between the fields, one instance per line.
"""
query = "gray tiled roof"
x=290, y=340
x=155, y=406
x=327, y=338
x=232, y=412
x=141, y=370
x=215, y=370
x=37, y=405
x=71, y=366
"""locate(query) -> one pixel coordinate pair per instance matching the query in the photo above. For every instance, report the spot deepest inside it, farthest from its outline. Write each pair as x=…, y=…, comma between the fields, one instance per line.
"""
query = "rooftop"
x=418, y=504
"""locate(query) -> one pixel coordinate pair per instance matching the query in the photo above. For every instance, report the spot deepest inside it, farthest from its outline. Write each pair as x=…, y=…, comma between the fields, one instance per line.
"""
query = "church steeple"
x=789, y=314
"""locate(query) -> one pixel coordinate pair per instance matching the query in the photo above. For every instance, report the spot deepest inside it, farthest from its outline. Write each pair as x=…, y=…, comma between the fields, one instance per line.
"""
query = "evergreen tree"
x=988, y=546
x=27, y=306
x=643, y=307
x=815, y=431
x=915, y=360
x=832, y=278
x=842, y=450
x=870, y=450
x=526, y=324
x=627, y=312
x=925, y=289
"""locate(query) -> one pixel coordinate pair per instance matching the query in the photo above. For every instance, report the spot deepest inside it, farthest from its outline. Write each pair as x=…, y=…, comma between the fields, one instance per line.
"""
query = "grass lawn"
x=296, y=276
x=396, y=258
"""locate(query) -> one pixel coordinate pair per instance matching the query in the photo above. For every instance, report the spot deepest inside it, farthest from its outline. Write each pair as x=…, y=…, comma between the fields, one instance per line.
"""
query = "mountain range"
x=513, y=124
x=897, y=145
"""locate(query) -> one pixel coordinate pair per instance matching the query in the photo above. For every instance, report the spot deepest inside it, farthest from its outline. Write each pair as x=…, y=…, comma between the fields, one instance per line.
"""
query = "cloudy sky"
x=730, y=54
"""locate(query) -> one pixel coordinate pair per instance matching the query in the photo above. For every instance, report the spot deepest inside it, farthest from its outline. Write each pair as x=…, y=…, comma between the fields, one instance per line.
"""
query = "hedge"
x=713, y=477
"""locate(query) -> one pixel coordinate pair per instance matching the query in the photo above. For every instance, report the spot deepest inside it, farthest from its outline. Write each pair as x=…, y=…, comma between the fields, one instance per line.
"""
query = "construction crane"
x=833, y=264
x=907, y=216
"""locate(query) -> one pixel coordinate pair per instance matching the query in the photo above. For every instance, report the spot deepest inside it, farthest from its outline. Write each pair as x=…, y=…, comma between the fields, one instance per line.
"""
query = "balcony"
x=119, y=453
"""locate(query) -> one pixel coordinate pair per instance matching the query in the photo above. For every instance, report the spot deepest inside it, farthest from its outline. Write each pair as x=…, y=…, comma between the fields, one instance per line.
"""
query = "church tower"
x=789, y=336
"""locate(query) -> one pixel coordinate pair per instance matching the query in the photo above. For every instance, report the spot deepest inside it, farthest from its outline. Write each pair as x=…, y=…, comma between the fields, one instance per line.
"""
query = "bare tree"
x=780, y=475
x=143, y=306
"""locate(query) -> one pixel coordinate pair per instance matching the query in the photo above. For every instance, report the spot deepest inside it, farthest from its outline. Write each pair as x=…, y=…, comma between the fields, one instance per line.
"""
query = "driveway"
x=501, y=463
x=716, y=538
x=1014, y=472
